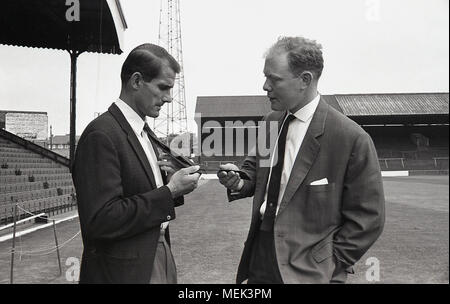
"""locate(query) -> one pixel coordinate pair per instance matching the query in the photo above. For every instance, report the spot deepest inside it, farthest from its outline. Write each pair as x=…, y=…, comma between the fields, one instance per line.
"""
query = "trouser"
x=164, y=269
x=263, y=262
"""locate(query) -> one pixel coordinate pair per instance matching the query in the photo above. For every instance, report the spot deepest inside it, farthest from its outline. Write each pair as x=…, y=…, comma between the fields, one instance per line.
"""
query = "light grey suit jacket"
x=320, y=230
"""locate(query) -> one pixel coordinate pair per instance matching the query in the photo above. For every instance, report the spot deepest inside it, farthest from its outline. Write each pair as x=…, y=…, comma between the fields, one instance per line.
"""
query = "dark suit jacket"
x=119, y=206
x=320, y=230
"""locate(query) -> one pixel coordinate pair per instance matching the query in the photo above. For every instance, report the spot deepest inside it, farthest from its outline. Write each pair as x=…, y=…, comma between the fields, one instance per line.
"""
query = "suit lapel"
x=134, y=142
x=307, y=154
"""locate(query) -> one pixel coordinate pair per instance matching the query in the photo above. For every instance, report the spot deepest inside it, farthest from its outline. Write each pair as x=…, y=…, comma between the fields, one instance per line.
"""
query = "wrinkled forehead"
x=276, y=63
x=275, y=51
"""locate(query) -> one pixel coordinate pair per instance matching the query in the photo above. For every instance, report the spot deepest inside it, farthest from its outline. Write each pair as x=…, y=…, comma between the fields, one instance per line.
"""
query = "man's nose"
x=167, y=99
x=266, y=86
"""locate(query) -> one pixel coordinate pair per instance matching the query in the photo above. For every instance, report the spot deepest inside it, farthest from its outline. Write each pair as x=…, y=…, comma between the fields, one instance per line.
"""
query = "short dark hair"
x=147, y=59
x=303, y=54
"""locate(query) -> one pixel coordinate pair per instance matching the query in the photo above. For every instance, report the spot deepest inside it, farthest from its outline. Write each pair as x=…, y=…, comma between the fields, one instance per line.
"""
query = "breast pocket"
x=321, y=188
x=321, y=208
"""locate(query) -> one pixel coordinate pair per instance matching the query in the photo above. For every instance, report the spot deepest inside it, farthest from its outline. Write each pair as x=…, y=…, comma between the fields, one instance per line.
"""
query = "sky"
x=369, y=46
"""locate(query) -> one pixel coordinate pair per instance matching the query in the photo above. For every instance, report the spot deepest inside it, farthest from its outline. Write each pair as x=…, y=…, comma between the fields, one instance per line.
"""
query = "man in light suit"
x=319, y=205
x=125, y=201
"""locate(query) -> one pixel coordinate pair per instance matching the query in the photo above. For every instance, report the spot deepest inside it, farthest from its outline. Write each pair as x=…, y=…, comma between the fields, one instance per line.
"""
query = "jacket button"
x=169, y=217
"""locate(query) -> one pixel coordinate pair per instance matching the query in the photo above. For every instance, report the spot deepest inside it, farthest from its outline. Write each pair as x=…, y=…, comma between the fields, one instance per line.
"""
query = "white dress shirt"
x=294, y=138
x=137, y=124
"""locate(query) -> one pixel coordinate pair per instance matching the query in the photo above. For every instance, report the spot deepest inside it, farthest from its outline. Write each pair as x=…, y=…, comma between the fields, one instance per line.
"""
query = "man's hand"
x=167, y=165
x=184, y=181
x=230, y=179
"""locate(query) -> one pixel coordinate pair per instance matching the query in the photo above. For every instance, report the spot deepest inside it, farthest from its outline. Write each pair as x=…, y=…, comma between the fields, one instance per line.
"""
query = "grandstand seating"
x=36, y=183
x=397, y=150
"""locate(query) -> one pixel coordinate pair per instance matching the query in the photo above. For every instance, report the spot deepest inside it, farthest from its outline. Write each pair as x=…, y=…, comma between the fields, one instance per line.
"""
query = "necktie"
x=275, y=179
x=180, y=160
x=151, y=137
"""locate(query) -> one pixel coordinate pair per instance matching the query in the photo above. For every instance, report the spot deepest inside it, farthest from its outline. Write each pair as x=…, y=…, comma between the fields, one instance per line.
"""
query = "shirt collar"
x=305, y=113
x=135, y=121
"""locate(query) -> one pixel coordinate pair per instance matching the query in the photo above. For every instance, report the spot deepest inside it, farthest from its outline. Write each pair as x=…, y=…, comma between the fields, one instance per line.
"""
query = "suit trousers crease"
x=164, y=268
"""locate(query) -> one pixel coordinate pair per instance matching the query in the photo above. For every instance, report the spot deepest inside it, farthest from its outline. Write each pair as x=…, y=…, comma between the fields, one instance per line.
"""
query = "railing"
x=429, y=153
x=35, y=148
x=392, y=159
x=439, y=158
x=434, y=163
x=213, y=165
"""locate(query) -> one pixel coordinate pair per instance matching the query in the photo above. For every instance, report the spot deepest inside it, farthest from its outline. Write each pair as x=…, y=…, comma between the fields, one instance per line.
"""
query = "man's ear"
x=136, y=80
x=306, y=78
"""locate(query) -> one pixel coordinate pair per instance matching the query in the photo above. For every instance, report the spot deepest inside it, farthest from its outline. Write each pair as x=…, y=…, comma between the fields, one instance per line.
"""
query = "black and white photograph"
x=213, y=143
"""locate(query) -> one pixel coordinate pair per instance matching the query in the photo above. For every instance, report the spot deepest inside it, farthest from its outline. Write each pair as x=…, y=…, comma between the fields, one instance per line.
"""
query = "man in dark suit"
x=125, y=200
x=318, y=197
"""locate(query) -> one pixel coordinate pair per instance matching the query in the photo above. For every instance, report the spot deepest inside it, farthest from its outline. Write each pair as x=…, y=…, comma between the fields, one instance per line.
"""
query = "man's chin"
x=276, y=107
x=153, y=114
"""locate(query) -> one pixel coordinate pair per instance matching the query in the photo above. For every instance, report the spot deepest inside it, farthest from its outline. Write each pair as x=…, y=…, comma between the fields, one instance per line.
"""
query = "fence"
x=36, y=252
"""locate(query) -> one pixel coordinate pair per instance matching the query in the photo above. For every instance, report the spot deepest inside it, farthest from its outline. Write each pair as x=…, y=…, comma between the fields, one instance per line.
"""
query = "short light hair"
x=147, y=59
x=303, y=54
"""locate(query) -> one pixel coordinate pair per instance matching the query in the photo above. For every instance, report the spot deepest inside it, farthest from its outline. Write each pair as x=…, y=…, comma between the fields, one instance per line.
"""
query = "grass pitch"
x=208, y=237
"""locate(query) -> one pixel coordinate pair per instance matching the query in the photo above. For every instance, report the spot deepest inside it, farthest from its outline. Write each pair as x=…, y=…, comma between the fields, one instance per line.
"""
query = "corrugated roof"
x=43, y=24
x=24, y=112
x=349, y=104
x=232, y=106
x=62, y=139
x=393, y=104
x=331, y=100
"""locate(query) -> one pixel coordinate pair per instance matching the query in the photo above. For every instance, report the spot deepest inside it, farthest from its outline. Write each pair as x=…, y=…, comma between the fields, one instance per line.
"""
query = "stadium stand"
x=33, y=177
x=411, y=148
x=409, y=130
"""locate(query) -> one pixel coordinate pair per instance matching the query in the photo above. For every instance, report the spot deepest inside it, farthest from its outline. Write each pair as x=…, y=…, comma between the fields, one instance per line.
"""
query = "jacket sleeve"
x=105, y=213
x=179, y=201
x=250, y=167
x=363, y=205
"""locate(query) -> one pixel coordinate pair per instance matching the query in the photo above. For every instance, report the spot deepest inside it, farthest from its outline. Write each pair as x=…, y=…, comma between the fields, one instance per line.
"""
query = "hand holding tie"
x=168, y=165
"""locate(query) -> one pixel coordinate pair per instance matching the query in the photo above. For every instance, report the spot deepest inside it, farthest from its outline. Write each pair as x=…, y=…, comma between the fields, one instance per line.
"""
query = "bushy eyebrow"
x=272, y=76
x=165, y=86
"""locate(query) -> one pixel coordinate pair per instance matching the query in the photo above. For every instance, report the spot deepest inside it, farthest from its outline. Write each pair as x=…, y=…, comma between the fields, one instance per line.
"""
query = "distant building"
x=212, y=115
x=61, y=144
x=407, y=126
x=32, y=126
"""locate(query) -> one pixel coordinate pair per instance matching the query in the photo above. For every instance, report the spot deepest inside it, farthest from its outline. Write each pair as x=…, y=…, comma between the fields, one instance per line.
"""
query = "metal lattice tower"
x=172, y=117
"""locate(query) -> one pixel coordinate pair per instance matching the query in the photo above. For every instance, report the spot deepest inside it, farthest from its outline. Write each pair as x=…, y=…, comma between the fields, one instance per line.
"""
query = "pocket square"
x=323, y=181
